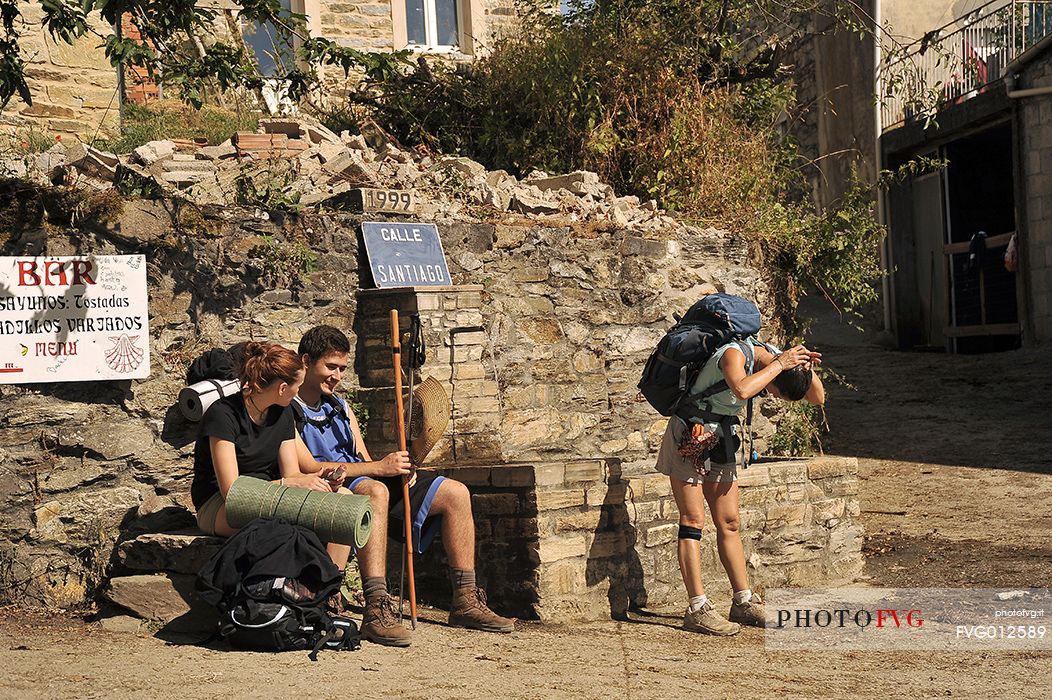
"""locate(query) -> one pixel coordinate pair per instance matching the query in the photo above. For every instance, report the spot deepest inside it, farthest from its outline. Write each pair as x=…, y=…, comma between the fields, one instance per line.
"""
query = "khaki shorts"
x=672, y=463
x=208, y=512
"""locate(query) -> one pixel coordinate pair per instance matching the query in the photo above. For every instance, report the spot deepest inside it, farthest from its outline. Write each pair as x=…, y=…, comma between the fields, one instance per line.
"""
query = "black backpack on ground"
x=270, y=583
x=670, y=372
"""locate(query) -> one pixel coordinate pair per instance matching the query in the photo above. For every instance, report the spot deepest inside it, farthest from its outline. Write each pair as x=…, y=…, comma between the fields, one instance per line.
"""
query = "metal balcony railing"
x=959, y=60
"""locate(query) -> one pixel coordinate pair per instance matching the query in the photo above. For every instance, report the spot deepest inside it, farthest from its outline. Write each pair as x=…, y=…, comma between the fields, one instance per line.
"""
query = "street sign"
x=405, y=255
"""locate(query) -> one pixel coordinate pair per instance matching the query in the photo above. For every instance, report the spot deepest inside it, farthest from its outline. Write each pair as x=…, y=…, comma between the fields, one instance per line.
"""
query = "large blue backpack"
x=673, y=367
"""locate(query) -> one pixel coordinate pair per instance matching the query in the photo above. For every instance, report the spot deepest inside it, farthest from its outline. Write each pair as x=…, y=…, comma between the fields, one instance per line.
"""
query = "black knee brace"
x=686, y=532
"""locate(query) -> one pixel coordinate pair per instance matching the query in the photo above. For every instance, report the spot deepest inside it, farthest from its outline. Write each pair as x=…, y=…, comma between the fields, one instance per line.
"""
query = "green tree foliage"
x=683, y=101
x=174, y=53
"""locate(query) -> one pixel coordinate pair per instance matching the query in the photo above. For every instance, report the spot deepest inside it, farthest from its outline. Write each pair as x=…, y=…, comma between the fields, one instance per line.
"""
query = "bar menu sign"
x=73, y=319
x=405, y=255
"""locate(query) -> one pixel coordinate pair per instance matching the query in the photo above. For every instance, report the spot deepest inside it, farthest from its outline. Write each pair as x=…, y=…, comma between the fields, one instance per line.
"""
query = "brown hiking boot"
x=469, y=610
x=751, y=613
x=380, y=623
x=707, y=621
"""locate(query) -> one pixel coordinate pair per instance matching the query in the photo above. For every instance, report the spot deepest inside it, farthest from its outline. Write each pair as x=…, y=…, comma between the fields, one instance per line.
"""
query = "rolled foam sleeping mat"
x=333, y=517
x=195, y=399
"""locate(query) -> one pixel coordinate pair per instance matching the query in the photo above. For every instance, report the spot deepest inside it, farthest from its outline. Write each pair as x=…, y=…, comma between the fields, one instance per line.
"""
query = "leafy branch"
x=172, y=50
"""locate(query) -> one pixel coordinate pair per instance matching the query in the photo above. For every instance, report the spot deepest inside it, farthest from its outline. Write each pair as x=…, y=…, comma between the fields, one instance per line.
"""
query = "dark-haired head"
x=792, y=384
x=321, y=341
x=262, y=364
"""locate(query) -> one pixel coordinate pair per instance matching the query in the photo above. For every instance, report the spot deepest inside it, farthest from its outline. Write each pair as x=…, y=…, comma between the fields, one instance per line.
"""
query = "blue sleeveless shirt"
x=326, y=430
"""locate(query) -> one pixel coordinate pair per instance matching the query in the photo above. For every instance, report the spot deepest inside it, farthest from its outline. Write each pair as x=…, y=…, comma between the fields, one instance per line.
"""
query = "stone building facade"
x=952, y=284
x=74, y=87
x=993, y=137
x=1033, y=120
x=76, y=92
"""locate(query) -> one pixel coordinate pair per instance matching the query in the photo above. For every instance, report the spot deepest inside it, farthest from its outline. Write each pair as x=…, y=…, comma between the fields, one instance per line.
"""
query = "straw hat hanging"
x=430, y=417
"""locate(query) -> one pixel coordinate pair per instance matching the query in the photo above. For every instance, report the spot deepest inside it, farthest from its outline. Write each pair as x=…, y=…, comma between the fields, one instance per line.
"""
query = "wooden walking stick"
x=396, y=352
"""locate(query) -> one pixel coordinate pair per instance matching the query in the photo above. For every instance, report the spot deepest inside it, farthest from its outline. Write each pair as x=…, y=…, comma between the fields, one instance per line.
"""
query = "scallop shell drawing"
x=125, y=355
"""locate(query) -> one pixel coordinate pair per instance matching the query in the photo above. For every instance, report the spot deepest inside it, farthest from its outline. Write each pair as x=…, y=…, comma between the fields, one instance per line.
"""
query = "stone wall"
x=607, y=541
x=1034, y=122
x=500, y=19
x=562, y=533
x=569, y=313
x=456, y=343
x=74, y=87
x=365, y=25
x=581, y=540
x=833, y=121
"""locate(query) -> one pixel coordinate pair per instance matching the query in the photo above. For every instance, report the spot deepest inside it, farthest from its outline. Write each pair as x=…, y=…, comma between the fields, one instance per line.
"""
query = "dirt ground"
x=955, y=453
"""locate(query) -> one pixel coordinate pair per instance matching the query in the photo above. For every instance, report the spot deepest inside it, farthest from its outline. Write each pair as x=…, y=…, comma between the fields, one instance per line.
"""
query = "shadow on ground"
x=992, y=410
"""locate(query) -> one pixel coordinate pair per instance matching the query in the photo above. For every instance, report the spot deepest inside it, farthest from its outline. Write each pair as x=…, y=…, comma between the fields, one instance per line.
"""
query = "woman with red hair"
x=252, y=433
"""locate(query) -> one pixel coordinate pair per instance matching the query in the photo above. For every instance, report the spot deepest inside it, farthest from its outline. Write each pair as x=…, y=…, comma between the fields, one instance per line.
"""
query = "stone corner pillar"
x=456, y=341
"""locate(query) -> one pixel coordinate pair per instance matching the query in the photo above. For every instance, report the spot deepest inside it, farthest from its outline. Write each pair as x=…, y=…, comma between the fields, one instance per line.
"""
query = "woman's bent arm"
x=224, y=459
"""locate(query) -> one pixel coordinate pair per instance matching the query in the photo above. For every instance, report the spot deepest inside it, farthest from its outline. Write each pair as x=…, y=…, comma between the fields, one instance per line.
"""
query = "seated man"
x=331, y=438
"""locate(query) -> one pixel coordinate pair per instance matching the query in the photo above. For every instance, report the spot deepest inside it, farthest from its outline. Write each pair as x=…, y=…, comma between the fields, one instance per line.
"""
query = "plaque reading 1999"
x=368, y=199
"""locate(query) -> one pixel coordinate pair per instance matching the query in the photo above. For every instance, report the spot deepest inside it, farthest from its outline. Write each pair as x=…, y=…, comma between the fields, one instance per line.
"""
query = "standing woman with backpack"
x=787, y=376
x=251, y=433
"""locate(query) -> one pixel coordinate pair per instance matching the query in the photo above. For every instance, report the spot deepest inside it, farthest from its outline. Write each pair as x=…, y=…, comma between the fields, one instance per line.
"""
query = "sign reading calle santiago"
x=405, y=255
x=72, y=319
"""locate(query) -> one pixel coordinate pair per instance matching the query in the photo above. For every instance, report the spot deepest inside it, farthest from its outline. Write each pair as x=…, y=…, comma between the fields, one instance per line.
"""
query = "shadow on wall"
x=177, y=430
x=612, y=554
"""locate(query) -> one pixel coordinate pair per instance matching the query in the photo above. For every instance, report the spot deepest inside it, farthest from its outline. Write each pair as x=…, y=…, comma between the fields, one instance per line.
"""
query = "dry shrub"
x=170, y=119
x=676, y=100
x=684, y=146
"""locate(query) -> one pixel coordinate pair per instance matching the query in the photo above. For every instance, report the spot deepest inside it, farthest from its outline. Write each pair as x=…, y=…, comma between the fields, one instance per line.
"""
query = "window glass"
x=446, y=22
x=414, y=22
x=275, y=58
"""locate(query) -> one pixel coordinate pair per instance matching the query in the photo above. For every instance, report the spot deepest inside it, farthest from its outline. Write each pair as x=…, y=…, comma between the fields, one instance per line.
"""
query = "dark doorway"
x=983, y=312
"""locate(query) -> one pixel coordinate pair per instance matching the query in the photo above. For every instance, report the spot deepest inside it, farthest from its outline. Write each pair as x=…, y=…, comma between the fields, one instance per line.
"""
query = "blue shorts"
x=421, y=496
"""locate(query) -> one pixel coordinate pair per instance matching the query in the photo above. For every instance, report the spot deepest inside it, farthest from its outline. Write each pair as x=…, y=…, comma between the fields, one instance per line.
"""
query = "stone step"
x=181, y=552
x=155, y=596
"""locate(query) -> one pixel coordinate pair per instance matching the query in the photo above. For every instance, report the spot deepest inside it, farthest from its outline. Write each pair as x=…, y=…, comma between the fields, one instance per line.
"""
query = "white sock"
x=697, y=601
x=743, y=596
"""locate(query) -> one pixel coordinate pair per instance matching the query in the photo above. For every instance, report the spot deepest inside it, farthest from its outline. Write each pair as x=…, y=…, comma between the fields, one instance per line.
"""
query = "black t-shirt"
x=256, y=446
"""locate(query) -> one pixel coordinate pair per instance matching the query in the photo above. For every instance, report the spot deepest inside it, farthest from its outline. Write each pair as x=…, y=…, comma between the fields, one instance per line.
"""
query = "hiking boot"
x=707, y=621
x=380, y=623
x=469, y=610
x=751, y=613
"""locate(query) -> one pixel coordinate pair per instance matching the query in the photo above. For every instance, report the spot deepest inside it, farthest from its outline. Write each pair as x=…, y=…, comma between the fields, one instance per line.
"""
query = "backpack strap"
x=750, y=359
x=747, y=451
x=297, y=414
x=323, y=639
x=342, y=404
x=351, y=637
x=684, y=369
x=726, y=424
x=301, y=416
x=721, y=386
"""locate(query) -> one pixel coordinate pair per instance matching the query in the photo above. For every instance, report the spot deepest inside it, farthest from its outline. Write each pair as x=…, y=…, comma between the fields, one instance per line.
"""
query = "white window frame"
x=431, y=28
x=466, y=11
